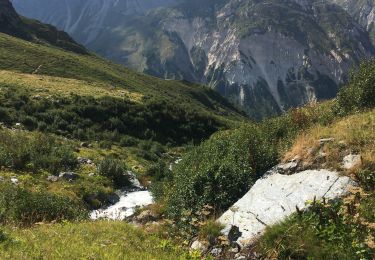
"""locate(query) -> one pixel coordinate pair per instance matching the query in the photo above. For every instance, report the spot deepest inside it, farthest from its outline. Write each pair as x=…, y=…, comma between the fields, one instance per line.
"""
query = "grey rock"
x=325, y=140
x=69, y=176
x=287, y=168
x=146, y=216
x=234, y=250
x=91, y=174
x=83, y=160
x=198, y=246
x=113, y=198
x=2, y=178
x=216, y=251
x=275, y=197
x=84, y=144
x=239, y=257
x=52, y=178
x=14, y=180
x=351, y=161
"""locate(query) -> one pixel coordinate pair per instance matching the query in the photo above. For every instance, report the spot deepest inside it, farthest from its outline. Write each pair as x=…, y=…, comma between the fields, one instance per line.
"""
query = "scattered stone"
x=351, y=161
x=83, y=160
x=113, y=198
x=14, y=180
x=234, y=250
x=146, y=216
x=52, y=178
x=238, y=256
x=287, y=168
x=198, y=246
x=216, y=251
x=326, y=140
x=275, y=197
x=84, y=144
x=134, y=181
x=69, y=176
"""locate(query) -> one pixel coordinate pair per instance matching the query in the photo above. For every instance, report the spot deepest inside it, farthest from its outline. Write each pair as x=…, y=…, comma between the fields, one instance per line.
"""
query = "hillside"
x=189, y=100
x=265, y=56
x=12, y=24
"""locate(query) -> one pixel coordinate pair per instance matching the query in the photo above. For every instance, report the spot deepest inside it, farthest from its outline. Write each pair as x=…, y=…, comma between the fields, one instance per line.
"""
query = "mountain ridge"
x=264, y=56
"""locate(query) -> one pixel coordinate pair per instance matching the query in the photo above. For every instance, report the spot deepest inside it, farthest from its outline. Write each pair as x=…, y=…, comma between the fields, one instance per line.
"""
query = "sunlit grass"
x=87, y=240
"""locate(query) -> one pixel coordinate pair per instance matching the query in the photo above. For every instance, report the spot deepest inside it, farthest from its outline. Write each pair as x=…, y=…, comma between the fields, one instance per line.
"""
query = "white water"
x=129, y=201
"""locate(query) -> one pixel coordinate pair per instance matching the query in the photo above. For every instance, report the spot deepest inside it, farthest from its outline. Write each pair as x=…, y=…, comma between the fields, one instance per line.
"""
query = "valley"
x=272, y=158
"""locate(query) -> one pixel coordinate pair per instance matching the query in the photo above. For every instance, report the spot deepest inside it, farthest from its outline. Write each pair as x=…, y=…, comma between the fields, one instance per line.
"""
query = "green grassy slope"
x=90, y=240
x=142, y=106
x=26, y=57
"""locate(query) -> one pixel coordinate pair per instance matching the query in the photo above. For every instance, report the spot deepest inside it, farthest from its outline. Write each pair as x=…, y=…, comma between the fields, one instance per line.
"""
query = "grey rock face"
x=276, y=196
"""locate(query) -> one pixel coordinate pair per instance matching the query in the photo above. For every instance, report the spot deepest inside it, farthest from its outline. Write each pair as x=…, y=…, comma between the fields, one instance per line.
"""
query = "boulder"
x=84, y=144
x=52, y=178
x=216, y=251
x=276, y=196
x=113, y=198
x=198, y=246
x=146, y=216
x=351, y=160
x=83, y=160
x=14, y=180
x=287, y=168
x=69, y=176
x=133, y=180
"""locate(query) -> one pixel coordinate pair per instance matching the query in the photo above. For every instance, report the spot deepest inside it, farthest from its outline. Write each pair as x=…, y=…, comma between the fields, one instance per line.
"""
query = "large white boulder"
x=274, y=197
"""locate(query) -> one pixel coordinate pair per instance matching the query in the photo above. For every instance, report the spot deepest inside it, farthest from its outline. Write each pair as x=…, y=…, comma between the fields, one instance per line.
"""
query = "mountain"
x=265, y=56
x=363, y=12
x=13, y=24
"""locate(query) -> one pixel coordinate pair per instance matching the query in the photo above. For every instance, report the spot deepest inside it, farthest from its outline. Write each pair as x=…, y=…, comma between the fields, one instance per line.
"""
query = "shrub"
x=23, y=207
x=115, y=170
x=161, y=179
x=128, y=141
x=35, y=151
x=221, y=170
x=210, y=230
x=322, y=232
x=360, y=94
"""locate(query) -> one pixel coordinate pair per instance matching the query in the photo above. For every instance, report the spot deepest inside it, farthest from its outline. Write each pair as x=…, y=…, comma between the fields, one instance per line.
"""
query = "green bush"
x=115, y=170
x=322, y=232
x=23, y=207
x=35, y=151
x=128, y=141
x=161, y=178
x=221, y=170
x=107, y=118
x=360, y=93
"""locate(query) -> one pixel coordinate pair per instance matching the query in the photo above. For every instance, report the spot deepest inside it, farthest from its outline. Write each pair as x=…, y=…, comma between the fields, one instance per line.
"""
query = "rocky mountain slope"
x=362, y=10
x=265, y=56
x=11, y=23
